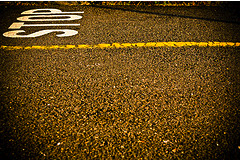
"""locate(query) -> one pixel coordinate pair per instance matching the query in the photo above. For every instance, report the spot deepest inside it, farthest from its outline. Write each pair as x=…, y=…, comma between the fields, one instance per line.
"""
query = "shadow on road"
x=132, y=9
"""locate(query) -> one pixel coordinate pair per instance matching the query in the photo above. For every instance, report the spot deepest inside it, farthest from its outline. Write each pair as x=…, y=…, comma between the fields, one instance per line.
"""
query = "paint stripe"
x=127, y=45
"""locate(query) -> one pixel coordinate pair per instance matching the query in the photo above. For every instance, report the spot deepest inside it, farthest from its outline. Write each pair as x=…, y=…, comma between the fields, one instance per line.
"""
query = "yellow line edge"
x=126, y=45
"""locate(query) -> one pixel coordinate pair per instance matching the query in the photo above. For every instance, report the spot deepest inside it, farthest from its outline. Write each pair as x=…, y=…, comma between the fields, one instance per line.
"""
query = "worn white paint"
x=41, y=15
x=15, y=33
x=51, y=11
x=18, y=25
x=47, y=18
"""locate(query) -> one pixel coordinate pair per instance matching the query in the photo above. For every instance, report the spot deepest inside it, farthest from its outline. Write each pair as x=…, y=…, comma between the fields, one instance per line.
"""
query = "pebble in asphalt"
x=132, y=103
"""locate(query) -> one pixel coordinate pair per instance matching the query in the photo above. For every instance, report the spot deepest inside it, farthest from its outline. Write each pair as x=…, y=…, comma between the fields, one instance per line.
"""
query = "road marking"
x=66, y=33
x=42, y=18
x=37, y=18
x=128, y=45
x=52, y=11
x=18, y=25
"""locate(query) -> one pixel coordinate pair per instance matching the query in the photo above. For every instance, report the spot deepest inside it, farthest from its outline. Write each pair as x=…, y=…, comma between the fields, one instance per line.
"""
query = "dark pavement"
x=123, y=103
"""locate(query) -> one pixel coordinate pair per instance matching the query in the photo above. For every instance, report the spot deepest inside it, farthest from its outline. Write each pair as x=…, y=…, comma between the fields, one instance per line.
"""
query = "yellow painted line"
x=127, y=45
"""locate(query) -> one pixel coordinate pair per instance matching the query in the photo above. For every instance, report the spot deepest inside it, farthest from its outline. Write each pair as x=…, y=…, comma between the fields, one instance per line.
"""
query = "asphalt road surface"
x=122, y=103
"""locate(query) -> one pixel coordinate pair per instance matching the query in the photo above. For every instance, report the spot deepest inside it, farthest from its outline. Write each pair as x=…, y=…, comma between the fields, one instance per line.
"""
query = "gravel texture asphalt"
x=126, y=103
